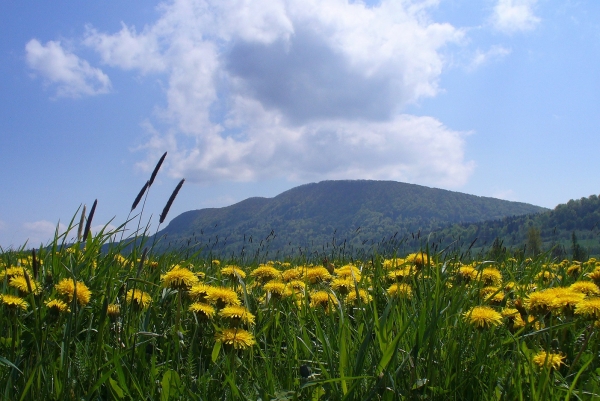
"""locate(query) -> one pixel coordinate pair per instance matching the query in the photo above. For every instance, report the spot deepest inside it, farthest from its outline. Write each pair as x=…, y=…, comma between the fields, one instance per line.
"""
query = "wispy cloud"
x=72, y=76
x=41, y=232
x=481, y=58
x=510, y=16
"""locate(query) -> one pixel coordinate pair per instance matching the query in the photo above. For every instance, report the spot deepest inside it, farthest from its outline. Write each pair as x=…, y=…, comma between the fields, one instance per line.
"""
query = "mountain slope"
x=312, y=215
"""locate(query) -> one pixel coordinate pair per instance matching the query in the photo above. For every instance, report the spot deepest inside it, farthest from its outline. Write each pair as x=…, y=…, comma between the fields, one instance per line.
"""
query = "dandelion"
x=491, y=276
x=233, y=272
x=216, y=262
x=138, y=298
x=545, y=276
x=389, y=264
x=595, y=276
x=222, y=296
x=348, y=271
x=589, y=308
x=363, y=296
x=237, y=314
x=13, y=272
x=400, y=290
x=400, y=274
x=467, y=273
x=321, y=298
x=574, y=270
x=67, y=288
x=297, y=285
x=515, y=321
x=419, y=259
x=291, y=274
x=20, y=283
x=492, y=294
x=275, y=288
x=317, y=274
x=113, y=311
x=482, y=317
x=342, y=285
x=179, y=278
x=199, y=291
x=545, y=359
x=13, y=302
x=585, y=287
x=56, y=306
x=265, y=273
x=202, y=310
x=238, y=338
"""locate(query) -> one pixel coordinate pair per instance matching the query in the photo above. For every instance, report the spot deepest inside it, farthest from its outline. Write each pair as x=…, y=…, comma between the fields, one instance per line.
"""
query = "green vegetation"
x=350, y=214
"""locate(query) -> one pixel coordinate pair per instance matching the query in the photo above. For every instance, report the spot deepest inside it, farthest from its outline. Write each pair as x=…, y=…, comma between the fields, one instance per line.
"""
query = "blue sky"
x=494, y=98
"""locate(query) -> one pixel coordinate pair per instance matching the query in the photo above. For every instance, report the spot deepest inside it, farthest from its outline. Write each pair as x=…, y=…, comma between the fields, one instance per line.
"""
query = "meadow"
x=83, y=322
x=99, y=317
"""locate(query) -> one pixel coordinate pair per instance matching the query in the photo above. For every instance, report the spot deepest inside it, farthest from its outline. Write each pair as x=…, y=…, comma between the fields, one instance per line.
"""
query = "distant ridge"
x=313, y=216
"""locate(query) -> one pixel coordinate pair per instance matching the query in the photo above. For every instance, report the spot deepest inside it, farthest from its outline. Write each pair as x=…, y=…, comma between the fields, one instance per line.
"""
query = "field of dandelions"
x=95, y=319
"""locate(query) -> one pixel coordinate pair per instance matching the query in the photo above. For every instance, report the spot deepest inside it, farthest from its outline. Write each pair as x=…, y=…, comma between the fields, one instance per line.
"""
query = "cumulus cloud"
x=72, y=76
x=304, y=89
x=510, y=16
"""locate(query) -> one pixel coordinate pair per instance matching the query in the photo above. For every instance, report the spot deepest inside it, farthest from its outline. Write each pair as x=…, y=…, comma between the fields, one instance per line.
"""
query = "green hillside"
x=313, y=217
x=551, y=231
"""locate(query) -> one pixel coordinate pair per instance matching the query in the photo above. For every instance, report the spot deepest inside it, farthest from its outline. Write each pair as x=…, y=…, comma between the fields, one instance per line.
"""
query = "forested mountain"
x=316, y=216
x=568, y=230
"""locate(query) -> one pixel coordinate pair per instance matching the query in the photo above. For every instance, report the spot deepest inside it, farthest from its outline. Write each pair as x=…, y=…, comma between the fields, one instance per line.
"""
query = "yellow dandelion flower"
x=222, y=296
x=545, y=359
x=574, y=270
x=589, y=308
x=20, y=283
x=400, y=274
x=297, y=285
x=545, y=276
x=585, y=287
x=482, y=317
x=275, y=288
x=419, y=259
x=179, y=278
x=343, y=285
x=321, y=298
x=265, y=273
x=233, y=271
x=514, y=318
x=238, y=338
x=237, y=314
x=199, y=291
x=57, y=306
x=13, y=302
x=363, y=296
x=113, y=311
x=138, y=298
x=595, y=276
x=202, y=310
x=348, y=271
x=389, y=264
x=13, y=272
x=67, y=288
x=492, y=294
x=491, y=276
x=291, y=274
x=216, y=262
x=316, y=275
x=401, y=290
x=467, y=273
x=567, y=300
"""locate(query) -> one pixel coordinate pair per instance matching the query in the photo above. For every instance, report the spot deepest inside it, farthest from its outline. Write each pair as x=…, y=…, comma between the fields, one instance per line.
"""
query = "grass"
x=127, y=332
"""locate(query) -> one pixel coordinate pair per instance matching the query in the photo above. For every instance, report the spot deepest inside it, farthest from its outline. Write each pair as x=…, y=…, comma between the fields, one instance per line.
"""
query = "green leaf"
x=116, y=388
x=215, y=351
x=171, y=385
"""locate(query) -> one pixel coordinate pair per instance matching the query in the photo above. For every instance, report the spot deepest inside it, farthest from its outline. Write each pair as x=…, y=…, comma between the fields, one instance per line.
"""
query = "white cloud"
x=40, y=232
x=72, y=76
x=510, y=16
x=494, y=53
x=304, y=89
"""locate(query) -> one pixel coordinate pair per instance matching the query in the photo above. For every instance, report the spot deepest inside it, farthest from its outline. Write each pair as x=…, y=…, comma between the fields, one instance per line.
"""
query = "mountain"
x=314, y=217
x=560, y=230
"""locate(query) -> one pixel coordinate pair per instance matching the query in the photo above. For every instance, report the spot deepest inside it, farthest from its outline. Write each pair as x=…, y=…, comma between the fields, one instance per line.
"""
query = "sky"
x=494, y=98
